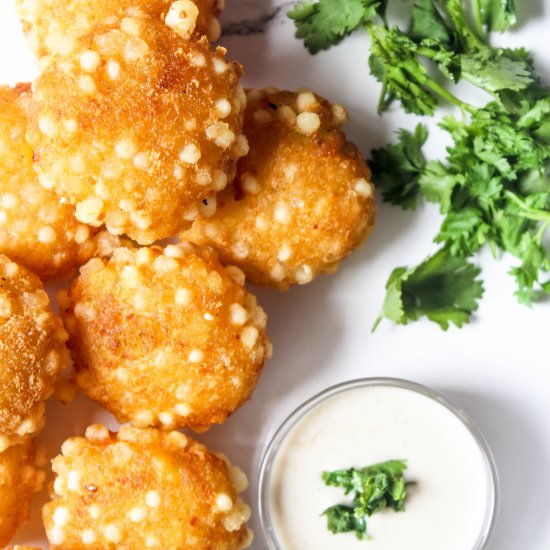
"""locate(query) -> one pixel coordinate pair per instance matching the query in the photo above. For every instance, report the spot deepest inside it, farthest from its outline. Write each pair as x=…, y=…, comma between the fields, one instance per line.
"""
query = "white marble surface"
x=497, y=368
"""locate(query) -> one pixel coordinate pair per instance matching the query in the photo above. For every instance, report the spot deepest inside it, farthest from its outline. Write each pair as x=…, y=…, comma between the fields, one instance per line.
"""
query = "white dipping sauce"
x=447, y=508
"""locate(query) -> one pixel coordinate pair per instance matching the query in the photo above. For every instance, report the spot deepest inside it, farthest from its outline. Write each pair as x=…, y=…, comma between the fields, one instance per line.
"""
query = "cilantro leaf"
x=325, y=23
x=464, y=231
x=448, y=62
x=535, y=258
x=396, y=169
x=437, y=184
x=496, y=69
x=496, y=15
x=444, y=288
x=428, y=23
x=524, y=238
x=375, y=488
x=537, y=115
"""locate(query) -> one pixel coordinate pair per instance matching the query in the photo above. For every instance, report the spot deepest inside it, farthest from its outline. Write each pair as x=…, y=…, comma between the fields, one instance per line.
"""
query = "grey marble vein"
x=258, y=22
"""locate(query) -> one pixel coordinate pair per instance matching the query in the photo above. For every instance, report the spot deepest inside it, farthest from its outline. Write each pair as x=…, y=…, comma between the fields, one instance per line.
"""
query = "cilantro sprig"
x=439, y=31
x=493, y=186
x=375, y=488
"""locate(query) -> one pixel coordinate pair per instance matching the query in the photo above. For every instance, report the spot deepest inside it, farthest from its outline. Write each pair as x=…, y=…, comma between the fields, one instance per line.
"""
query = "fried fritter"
x=19, y=480
x=139, y=128
x=53, y=27
x=144, y=489
x=32, y=352
x=302, y=199
x=37, y=229
x=165, y=337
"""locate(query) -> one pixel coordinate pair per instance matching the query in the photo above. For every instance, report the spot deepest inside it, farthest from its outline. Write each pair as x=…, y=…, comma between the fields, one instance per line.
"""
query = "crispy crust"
x=32, y=352
x=52, y=27
x=19, y=480
x=144, y=489
x=139, y=128
x=302, y=199
x=165, y=337
x=37, y=230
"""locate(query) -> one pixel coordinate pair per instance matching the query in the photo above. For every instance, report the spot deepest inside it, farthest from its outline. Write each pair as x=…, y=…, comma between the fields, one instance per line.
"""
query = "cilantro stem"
x=435, y=87
x=382, y=99
x=478, y=19
x=451, y=98
x=528, y=211
x=426, y=52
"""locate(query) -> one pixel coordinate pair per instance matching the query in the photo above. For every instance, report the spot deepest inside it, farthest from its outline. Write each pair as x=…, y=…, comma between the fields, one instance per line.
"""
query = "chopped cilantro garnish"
x=375, y=488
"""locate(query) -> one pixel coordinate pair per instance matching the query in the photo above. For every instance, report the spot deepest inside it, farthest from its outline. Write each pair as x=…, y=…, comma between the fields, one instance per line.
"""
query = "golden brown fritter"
x=32, y=352
x=139, y=128
x=19, y=480
x=165, y=337
x=144, y=489
x=302, y=199
x=37, y=229
x=54, y=27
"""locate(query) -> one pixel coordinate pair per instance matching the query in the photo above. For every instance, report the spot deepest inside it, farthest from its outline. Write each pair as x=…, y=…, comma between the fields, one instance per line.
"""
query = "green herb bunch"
x=493, y=187
x=375, y=488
